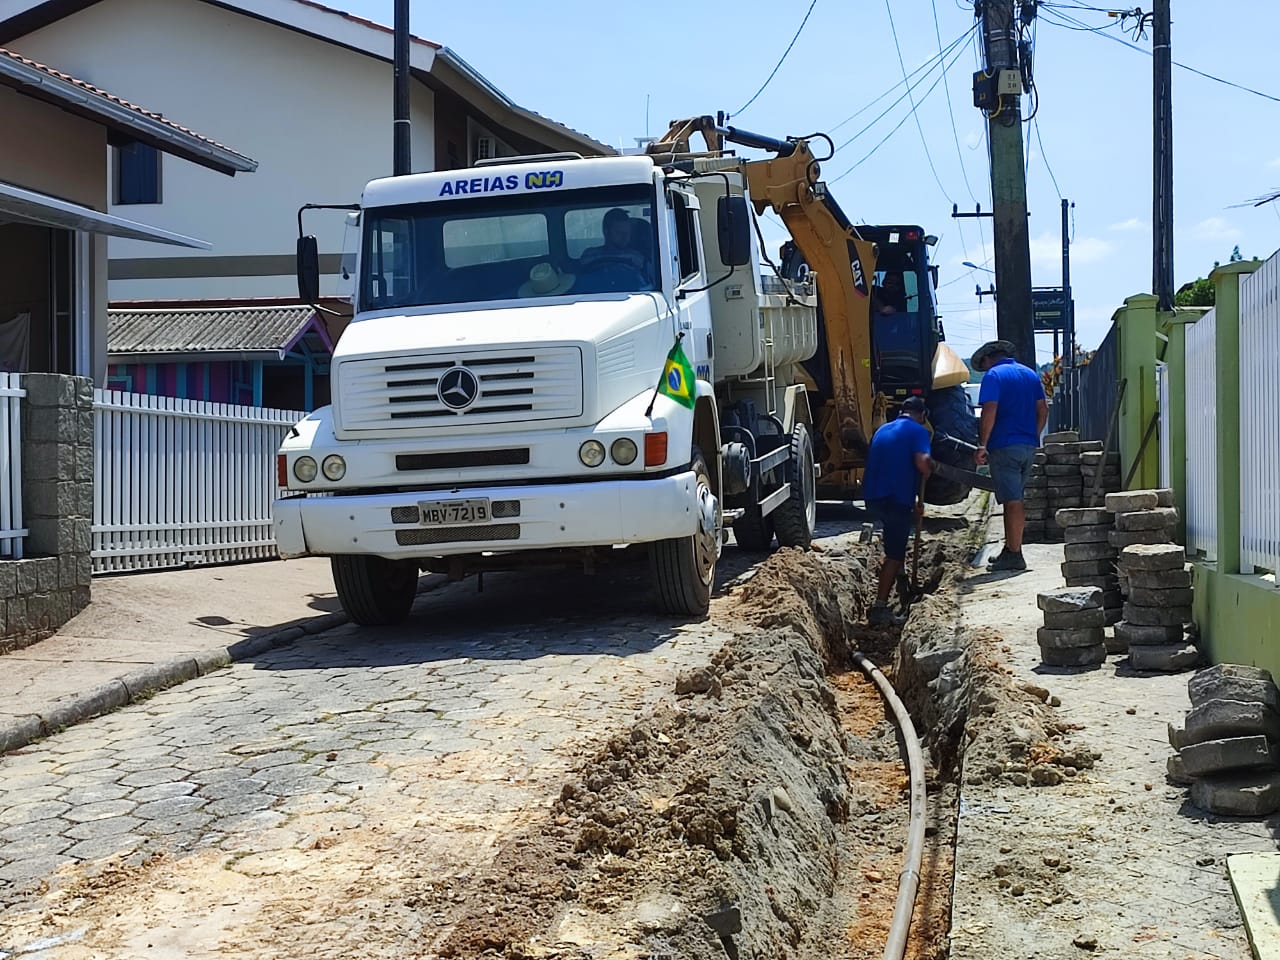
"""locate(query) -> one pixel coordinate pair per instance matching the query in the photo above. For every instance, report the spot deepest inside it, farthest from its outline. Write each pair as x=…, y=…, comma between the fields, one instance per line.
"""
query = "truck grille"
x=497, y=387
x=430, y=535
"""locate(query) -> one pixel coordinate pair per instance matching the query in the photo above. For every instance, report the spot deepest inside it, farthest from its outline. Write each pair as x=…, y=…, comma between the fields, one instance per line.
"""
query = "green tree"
x=1201, y=293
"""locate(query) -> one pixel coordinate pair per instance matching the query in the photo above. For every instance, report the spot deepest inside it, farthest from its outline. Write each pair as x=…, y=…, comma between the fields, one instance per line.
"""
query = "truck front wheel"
x=684, y=568
x=375, y=591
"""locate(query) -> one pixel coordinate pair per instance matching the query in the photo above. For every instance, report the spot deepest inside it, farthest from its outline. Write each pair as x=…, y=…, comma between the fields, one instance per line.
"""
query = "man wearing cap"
x=1014, y=413
x=896, y=463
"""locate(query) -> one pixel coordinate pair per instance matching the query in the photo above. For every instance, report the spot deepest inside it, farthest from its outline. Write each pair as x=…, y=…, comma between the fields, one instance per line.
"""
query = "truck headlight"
x=334, y=467
x=591, y=453
x=304, y=468
x=624, y=451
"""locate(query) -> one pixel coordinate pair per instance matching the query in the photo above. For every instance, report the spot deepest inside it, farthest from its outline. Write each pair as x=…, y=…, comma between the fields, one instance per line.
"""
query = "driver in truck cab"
x=617, y=243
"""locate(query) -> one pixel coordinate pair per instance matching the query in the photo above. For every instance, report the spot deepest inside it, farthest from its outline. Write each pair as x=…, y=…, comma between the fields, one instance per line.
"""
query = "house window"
x=137, y=174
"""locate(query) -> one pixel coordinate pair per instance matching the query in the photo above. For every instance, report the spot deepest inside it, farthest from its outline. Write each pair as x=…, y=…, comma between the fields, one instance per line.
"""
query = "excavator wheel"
x=796, y=520
x=949, y=413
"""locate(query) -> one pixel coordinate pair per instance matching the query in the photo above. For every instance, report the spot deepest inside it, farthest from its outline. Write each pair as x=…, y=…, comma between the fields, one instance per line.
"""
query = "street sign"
x=1050, y=309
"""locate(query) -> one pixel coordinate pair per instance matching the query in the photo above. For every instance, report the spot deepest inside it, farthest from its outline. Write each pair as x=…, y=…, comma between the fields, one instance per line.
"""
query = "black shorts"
x=896, y=521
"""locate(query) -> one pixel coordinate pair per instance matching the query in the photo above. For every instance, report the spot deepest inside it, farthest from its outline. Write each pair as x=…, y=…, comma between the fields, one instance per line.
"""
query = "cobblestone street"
x=345, y=752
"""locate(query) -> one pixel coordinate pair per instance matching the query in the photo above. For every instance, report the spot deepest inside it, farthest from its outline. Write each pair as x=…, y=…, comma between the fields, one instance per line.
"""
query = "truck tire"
x=684, y=568
x=949, y=412
x=753, y=532
x=796, y=520
x=375, y=591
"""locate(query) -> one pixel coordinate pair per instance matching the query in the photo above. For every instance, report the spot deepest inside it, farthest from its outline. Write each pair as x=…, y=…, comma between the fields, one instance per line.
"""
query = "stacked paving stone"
x=1035, y=501
x=1090, y=558
x=1157, y=607
x=1228, y=749
x=1072, y=635
x=1101, y=473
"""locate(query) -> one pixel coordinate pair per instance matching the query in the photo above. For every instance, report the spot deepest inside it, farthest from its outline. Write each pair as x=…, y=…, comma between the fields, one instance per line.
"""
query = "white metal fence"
x=11, y=529
x=1259, y=404
x=182, y=481
x=1202, y=425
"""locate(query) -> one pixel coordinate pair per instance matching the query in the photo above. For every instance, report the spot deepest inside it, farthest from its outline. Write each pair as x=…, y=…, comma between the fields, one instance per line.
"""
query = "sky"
x=621, y=71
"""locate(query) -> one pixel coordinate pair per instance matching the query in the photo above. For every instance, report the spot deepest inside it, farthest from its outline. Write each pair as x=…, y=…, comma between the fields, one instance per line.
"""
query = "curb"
x=120, y=691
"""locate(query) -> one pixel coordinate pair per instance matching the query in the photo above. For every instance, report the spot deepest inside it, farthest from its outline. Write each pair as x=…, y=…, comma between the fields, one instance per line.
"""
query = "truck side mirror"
x=308, y=270
x=733, y=226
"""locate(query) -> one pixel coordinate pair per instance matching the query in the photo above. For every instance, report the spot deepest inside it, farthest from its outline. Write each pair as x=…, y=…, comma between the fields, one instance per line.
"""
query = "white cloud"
x=1132, y=225
x=1046, y=255
x=1274, y=164
x=1216, y=229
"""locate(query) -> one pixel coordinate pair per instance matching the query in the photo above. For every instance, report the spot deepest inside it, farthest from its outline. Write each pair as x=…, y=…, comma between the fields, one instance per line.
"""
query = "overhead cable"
x=778, y=65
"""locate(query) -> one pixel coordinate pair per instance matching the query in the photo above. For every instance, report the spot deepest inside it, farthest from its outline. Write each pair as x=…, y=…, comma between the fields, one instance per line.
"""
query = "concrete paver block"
x=1121, y=538
x=1074, y=552
x=1156, y=616
x=1074, y=656
x=1221, y=719
x=1113, y=615
x=1050, y=639
x=1080, y=516
x=1254, y=880
x=1146, y=597
x=1088, y=568
x=1115, y=644
x=1232, y=681
x=1092, y=617
x=1176, y=579
x=1132, y=501
x=1105, y=582
x=1169, y=658
x=1063, y=467
x=1143, y=635
x=1177, y=737
x=1062, y=436
x=1092, y=533
x=1161, y=518
x=1163, y=495
x=1232, y=753
x=1254, y=795
x=1176, y=771
x=1070, y=600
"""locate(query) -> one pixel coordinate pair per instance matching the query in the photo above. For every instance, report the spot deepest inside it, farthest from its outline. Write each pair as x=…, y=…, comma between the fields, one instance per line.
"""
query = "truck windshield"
x=526, y=246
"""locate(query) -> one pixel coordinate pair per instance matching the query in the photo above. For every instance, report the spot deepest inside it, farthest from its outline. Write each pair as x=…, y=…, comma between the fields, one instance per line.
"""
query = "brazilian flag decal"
x=677, y=378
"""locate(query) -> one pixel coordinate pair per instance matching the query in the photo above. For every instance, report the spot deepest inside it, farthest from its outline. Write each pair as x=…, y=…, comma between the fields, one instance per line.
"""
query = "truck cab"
x=529, y=377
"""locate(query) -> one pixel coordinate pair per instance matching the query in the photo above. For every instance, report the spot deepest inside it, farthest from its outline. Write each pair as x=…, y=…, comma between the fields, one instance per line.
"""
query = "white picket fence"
x=1259, y=404
x=11, y=529
x=1202, y=426
x=182, y=481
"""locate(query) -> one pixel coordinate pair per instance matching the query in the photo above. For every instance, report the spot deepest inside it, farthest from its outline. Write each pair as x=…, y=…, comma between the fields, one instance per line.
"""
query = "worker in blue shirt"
x=1014, y=413
x=896, y=463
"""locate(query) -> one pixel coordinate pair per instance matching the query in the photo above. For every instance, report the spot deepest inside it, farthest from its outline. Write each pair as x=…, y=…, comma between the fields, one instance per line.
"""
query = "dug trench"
x=762, y=812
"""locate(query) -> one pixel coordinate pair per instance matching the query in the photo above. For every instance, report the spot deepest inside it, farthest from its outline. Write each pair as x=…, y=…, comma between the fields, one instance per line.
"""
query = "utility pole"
x=402, y=160
x=1069, y=349
x=1162, y=180
x=998, y=91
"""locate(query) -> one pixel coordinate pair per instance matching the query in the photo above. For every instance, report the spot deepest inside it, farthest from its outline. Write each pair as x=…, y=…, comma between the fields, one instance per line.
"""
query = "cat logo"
x=859, y=278
x=543, y=179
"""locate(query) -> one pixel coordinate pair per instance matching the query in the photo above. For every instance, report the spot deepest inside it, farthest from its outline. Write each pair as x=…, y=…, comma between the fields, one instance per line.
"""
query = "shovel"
x=916, y=590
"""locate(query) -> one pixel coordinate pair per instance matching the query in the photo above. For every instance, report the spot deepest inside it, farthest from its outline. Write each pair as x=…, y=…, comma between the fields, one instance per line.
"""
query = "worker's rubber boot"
x=1008, y=560
x=879, y=616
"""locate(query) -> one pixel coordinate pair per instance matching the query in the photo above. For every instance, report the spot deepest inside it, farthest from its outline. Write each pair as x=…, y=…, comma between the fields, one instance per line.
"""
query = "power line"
x=893, y=27
x=778, y=65
x=1045, y=157
x=899, y=124
x=927, y=67
x=955, y=133
x=1057, y=19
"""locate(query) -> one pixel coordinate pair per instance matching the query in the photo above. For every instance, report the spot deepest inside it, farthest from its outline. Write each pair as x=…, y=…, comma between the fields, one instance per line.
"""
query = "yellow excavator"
x=880, y=339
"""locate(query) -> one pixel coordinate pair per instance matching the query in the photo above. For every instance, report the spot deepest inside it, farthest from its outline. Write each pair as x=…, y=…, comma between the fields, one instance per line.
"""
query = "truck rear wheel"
x=684, y=568
x=375, y=591
x=797, y=519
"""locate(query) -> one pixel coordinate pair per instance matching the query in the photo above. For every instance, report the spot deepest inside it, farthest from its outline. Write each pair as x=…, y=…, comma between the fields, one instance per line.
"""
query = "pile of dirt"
x=731, y=821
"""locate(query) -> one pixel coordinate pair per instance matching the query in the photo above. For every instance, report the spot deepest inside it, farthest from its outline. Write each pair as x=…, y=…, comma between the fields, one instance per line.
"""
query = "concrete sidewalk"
x=145, y=631
x=1116, y=860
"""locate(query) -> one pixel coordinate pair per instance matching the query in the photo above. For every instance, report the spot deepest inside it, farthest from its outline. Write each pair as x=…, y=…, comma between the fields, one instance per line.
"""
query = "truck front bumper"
x=596, y=513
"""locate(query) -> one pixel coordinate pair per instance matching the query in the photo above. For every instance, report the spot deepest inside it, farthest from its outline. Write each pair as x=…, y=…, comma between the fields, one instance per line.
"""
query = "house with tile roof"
x=303, y=88
x=55, y=211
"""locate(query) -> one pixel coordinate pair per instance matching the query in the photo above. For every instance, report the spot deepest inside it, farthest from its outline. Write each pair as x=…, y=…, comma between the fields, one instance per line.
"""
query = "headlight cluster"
x=305, y=469
x=623, y=451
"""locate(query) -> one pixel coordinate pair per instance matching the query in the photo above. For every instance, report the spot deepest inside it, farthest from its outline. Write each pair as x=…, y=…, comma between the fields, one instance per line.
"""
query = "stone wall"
x=41, y=592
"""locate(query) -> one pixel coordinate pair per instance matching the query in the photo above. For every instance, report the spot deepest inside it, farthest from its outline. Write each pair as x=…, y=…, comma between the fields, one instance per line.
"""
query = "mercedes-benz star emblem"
x=458, y=388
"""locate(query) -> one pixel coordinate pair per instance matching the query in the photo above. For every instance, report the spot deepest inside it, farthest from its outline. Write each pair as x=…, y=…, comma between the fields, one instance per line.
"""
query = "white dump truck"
x=551, y=359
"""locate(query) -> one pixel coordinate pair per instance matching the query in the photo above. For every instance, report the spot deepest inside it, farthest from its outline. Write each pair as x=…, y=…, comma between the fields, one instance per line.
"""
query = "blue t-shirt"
x=1017, y=390
x=891, y=472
